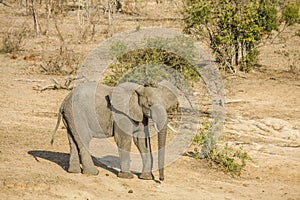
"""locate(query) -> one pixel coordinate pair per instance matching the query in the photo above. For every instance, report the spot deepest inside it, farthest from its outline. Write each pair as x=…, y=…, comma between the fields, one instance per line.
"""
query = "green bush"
x=154, y=61
x=290, y=13
x=228, y=159
x=235, y=28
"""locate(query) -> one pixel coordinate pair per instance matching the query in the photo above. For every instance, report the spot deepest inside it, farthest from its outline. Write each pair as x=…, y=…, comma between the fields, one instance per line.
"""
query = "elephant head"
x=139, y=102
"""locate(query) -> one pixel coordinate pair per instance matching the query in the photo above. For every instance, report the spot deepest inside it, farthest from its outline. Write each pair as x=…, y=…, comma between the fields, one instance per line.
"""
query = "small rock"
x=130, y=191
x=14, y=57
x=30, y=58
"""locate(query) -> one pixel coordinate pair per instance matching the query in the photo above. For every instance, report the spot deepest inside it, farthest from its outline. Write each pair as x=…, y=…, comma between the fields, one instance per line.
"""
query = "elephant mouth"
x=148, y=114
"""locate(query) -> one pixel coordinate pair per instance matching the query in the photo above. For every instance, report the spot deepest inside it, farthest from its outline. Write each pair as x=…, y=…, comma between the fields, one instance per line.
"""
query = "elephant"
x=94, y=110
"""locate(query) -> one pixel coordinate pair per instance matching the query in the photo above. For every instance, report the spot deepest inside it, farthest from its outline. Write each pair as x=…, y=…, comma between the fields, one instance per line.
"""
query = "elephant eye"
x=150, y=103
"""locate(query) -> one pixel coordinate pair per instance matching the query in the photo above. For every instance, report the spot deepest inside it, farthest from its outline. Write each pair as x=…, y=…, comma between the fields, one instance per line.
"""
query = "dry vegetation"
x=42, y=55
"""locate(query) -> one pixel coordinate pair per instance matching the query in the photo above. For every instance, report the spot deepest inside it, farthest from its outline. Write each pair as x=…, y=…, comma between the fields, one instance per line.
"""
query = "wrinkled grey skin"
x=82, y=114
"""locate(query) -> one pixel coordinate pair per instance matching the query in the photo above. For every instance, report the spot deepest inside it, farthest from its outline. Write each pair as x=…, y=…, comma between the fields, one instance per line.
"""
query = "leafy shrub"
x=151, y=74
x=203, y=138
x=228, y=159
x=154, y=59
x=235, y=28
x=290, y=13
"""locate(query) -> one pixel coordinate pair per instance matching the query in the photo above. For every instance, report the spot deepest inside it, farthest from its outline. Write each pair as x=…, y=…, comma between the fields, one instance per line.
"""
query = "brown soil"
x=263, y=115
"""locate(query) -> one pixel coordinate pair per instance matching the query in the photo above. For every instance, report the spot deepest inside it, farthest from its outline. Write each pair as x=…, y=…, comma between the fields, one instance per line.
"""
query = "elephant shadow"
x=62, y=159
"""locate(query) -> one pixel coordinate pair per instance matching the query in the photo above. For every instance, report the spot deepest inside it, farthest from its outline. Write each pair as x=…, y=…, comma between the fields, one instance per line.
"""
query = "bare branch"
x=28, y=80
x=66, y=85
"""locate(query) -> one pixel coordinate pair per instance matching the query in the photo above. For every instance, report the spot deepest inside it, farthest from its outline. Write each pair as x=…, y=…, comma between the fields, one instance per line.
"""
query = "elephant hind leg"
x=88, y=166
x=78, y=153
x=74, y=162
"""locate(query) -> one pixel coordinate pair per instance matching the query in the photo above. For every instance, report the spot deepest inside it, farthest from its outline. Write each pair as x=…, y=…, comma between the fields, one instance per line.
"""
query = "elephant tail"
x=57, y=124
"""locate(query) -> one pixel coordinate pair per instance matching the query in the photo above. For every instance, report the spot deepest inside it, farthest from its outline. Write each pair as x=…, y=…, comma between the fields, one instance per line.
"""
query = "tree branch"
x=66, y=85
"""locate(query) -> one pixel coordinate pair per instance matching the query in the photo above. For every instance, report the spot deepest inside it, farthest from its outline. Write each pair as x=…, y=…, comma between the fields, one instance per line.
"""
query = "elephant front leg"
x=143, y=144
x=123, y=141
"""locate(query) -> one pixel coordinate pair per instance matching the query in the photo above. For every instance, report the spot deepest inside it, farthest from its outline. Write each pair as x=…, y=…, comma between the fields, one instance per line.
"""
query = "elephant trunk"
x=160, y=118
x=161, y=151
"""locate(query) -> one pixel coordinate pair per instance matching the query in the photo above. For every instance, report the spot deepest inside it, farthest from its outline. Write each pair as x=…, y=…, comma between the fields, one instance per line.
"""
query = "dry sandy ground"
x=263, y=115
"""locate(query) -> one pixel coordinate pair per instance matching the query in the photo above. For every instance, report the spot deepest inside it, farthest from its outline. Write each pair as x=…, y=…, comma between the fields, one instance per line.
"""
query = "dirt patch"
x=263, y=112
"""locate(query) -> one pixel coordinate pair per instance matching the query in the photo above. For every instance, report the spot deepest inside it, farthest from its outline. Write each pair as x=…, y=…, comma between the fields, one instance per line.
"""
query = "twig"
x=279, y=33
x=236, y=101
x=44, y=68
x=153, y=19
x=229, y=102
x=55, y=81
x=28, y=80
x=49, y=87
x=53, y=87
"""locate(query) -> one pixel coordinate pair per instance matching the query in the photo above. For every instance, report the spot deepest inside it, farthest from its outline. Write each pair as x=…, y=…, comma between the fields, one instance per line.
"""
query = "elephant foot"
x=146, y=176
x=127, y=175
x=90, y=171
x=73, y=169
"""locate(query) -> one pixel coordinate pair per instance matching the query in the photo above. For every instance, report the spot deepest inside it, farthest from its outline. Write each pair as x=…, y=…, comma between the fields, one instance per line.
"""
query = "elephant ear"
x=170, y=93
x=125, y=99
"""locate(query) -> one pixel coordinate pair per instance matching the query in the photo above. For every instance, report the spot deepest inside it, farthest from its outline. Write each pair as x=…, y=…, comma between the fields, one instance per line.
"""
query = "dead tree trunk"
x=35, y=19
x=110, y=17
